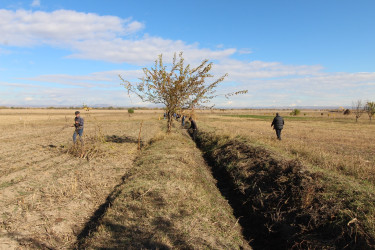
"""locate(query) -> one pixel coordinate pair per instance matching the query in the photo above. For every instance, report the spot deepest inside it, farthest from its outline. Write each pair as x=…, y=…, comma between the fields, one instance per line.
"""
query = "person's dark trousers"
x=278, y=133
x=78, y=132
x=194, y=134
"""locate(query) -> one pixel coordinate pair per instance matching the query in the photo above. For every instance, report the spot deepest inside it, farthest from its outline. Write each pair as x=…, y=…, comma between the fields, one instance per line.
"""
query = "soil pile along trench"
x=168, y=200
x=279, y=204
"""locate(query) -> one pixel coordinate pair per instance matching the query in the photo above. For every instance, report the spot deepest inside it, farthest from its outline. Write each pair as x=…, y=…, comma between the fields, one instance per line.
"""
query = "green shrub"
x=296, y=112
x=131, y=111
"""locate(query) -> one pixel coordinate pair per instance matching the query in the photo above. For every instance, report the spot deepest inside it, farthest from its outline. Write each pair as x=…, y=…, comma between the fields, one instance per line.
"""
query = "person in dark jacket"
x=193, y=126
x=78, y=124
x=183, y=120
x=278, y=125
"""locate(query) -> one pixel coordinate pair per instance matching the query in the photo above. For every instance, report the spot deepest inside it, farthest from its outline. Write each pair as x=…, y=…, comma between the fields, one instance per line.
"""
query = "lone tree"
x=180, y=87
x=358, y=109
x=370, y=109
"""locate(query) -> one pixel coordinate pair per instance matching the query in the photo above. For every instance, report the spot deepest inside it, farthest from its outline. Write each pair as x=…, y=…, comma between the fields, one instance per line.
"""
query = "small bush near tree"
x=296, y=112
x=347, y=112
x=131, y=111
x=370, y=109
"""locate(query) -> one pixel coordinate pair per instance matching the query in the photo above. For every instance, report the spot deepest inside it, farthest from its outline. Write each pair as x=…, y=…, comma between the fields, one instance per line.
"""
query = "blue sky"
x=286, y=53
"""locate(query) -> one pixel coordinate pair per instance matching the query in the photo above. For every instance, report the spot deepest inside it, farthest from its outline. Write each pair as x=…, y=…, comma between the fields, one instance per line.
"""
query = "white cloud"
x=105, y=79
x=60, y=28
x=95, y=37
x=114, y=39
x=23, y=94
x=144, y=51
x=242, y=71
x=35, y=3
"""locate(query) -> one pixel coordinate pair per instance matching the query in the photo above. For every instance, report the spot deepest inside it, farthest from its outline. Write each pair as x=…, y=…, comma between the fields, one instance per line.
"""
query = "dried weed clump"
x=92, y=146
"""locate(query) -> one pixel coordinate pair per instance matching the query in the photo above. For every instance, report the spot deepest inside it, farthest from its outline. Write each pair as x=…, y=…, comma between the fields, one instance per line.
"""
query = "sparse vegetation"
x=295, y=112
x=131, y=111
x=370, y=109
x=358, y=109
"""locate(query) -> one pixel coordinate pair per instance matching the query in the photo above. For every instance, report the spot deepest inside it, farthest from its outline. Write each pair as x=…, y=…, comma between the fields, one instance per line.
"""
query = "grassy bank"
x=283, y=205
x=168, y=200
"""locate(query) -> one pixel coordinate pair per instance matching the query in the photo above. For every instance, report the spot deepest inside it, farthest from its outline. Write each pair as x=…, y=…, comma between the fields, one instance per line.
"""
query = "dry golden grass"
x=334, y=144
x=48, y=195
x=168, y=201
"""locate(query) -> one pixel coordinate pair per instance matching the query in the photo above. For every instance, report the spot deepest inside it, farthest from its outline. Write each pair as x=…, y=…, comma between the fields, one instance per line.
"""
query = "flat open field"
x=332, y=141
x=48, y=195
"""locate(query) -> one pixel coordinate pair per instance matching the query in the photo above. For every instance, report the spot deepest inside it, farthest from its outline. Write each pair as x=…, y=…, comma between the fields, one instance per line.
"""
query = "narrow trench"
x=254, y=228
x=265, y=224
x=252, y=225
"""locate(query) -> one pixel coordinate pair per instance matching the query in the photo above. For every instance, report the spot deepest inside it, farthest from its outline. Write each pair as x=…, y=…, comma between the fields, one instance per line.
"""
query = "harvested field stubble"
x=167, y=201
x=282, y=204
x=47, y=195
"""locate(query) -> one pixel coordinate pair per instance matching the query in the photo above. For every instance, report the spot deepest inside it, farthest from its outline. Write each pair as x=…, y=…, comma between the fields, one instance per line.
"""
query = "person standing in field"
x=78, y=124
x=278, y=125
x=183, y=121
x=193, y=126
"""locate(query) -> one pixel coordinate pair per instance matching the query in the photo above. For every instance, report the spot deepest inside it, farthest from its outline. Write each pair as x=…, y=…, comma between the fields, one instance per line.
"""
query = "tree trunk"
x=169, y=122
x=139, y=136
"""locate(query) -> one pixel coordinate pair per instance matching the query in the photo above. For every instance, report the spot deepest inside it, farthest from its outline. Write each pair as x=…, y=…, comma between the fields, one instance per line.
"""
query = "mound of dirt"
x=279, y=203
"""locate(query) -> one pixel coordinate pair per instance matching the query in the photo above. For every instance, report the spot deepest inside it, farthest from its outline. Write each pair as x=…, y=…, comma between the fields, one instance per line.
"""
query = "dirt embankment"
x=168, y=200
x=279, y=203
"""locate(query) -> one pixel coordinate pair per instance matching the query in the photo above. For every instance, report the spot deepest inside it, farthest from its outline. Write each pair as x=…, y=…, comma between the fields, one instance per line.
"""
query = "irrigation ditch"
x=167, y=200
x=279, y=204
x=236, y=195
